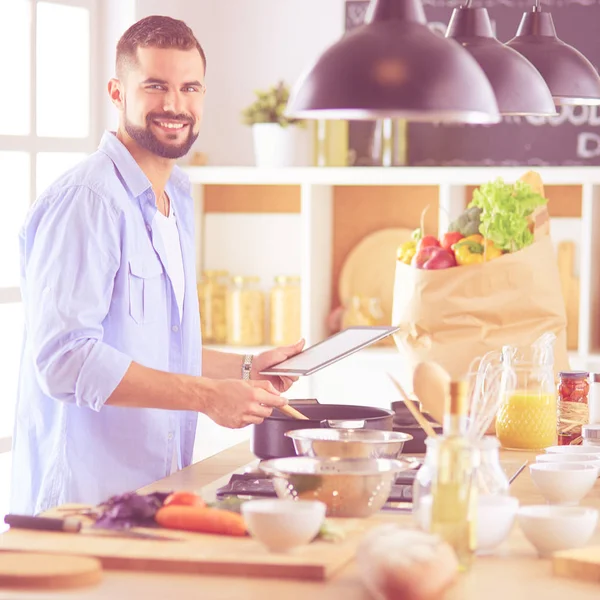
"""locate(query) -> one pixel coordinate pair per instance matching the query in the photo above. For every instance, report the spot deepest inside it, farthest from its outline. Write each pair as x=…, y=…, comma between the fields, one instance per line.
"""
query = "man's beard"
x=146, y=139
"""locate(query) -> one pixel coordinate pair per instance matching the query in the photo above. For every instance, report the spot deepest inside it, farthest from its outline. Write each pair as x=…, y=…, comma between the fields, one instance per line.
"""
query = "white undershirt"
x=167, y=227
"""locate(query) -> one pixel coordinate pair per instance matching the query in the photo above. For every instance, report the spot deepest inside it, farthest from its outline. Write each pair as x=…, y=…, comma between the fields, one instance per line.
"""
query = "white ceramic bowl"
x=495, y=518
x=572, y=450
x=554, y=528
x=588, y=459
x=283, y=524
x=563, y=482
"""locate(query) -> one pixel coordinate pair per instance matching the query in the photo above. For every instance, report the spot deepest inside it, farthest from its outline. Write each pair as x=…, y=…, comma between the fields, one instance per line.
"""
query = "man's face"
x=163, y=100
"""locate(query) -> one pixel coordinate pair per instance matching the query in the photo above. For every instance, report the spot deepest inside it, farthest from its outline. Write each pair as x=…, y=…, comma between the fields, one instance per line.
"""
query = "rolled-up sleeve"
x=71, y=254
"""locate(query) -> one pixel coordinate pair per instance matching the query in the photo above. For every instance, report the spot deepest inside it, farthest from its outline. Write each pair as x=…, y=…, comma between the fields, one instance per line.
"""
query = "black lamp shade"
x=518, y=85
x=571, y=77
x=394, y=66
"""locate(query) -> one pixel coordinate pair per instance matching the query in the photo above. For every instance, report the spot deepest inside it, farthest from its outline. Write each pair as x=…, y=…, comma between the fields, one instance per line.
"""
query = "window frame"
x=33, y=144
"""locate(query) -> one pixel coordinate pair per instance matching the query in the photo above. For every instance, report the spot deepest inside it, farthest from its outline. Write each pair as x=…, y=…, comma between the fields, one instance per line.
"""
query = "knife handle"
x=42, y=523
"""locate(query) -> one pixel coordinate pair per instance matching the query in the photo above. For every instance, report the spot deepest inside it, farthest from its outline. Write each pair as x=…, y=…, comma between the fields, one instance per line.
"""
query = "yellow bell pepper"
x=474, y=250
x=407, y=251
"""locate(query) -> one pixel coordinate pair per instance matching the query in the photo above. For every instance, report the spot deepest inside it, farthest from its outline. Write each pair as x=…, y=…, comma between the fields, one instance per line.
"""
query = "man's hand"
x=234, y=403
x=272, y=357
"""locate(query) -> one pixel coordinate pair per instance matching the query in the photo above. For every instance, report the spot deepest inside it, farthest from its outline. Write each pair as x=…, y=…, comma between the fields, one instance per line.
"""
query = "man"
x=113, y=372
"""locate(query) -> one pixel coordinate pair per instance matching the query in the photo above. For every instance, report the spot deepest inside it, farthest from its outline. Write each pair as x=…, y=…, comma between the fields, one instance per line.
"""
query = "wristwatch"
x=247, y=366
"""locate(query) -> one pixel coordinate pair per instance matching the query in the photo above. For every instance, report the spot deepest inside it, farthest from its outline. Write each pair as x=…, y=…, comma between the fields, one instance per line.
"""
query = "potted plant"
x=279, y=141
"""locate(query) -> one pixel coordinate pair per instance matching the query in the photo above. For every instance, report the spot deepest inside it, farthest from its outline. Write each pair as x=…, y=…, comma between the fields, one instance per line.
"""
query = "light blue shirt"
x=97, y=295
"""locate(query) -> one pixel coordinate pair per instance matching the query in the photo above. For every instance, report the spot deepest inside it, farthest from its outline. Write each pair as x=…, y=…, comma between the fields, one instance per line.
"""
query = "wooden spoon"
x=290, y=411
x=414, y=411
x=430, y=384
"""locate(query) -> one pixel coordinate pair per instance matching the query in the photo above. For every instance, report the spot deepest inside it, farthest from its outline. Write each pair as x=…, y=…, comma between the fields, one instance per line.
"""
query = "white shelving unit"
x=361, y=379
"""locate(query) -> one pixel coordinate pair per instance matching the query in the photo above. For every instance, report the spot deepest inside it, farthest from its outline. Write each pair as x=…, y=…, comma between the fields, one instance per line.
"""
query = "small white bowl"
x=571, y=450
x=563, y=482
x=588, y=459
x=554, y=528
x=495, y=518
x=283, y=524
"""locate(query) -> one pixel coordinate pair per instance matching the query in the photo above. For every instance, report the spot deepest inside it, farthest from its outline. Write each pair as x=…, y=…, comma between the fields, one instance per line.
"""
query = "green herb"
x=505, y=209
x=331, y=533
x=269, y=107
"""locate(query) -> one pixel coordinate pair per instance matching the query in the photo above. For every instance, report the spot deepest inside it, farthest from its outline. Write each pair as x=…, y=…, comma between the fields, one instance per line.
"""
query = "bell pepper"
x=474, y=249
x=451, y=238
x=407, y=251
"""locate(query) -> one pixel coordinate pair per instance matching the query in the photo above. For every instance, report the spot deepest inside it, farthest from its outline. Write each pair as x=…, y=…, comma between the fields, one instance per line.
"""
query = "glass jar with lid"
x=212, y=298
x=573, y=412
x=285, y=310
x=245, y=312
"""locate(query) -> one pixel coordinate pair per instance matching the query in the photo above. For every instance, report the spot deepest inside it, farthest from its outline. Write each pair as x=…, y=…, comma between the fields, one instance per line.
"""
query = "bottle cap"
x=573, y=374
x=457, y=398
x=590, y=432
x=596, y=377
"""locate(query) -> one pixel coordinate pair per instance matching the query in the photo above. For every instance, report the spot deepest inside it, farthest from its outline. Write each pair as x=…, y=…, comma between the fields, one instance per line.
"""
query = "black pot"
x=268, y=440
x=406, y=423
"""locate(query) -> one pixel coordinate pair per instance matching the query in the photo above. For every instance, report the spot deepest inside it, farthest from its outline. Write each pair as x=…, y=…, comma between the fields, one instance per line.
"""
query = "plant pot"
x=276, y=146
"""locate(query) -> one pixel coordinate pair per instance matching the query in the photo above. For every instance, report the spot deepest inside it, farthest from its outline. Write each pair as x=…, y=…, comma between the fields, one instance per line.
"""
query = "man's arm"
x=221, y=365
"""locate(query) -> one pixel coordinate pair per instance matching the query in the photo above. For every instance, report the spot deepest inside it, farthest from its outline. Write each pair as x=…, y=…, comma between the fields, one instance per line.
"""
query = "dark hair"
x=156, y=32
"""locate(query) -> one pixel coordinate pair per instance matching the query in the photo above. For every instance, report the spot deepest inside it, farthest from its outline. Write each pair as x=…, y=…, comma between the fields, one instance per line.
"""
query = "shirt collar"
x=133, y=176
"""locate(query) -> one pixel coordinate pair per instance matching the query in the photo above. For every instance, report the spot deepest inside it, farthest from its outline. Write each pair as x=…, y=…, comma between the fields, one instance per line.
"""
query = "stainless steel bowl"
x=348, y=443
x=350, y=487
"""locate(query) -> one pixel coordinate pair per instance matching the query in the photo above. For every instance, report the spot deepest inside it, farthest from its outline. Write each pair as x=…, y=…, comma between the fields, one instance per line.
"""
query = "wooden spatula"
x=290, y=411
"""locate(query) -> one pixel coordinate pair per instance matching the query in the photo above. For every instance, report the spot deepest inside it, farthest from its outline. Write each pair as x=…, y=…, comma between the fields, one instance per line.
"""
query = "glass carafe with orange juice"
x=526, y=419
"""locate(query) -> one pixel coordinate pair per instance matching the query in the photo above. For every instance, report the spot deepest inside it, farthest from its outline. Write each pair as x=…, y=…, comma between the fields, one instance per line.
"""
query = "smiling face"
x=161, y=97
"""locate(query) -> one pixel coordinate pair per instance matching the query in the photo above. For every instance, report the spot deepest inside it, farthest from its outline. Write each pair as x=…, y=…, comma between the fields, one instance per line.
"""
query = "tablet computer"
x=329, y=351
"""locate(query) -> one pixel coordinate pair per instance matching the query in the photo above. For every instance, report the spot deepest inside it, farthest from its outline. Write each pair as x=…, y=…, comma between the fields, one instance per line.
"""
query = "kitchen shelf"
x=312, y=196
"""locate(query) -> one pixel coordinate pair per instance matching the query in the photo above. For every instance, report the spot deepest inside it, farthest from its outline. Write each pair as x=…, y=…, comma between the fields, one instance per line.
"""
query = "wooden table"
x=514, y=572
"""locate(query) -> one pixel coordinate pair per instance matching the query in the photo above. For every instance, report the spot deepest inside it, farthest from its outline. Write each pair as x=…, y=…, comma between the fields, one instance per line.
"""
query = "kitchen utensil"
x=572, y=450
x=554, y=528
x=350, y=487
x=282, y=525
x=348, y=443
x=586, y=459
x=268, y=439
x=406, y=423
x=21, y=570
x=430, y=384
x=74, y=525
x=580, y=563
x=290, y=411
x=518, y=472
x=563, y=483
x=369, y=268
x=197, y=553
x=421, y=420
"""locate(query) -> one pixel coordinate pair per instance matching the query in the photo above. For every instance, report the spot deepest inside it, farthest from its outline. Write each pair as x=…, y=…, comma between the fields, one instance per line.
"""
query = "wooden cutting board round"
x=24, y=570
x=370, y=267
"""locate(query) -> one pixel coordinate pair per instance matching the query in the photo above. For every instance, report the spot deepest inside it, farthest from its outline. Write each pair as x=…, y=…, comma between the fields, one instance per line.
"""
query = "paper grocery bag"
x=453, y=315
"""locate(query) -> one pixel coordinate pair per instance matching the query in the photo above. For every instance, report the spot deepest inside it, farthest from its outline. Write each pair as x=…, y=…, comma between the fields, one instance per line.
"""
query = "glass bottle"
x=245, y=312
x=212, y=298
x=453, y=483
x=285, y=311
x=573, y=412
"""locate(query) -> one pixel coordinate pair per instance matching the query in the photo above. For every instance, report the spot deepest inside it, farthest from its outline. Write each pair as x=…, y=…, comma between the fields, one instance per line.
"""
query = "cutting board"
x=199, y=553
x=582, y=563
x=570, y=290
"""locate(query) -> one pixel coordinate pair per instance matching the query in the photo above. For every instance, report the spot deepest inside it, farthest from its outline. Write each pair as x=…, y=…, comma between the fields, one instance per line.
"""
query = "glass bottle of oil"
x=454, y=492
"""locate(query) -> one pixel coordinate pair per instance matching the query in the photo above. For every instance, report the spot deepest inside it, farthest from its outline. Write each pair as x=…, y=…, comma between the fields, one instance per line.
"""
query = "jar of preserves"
x=212, y=298
x=573, y=413
x=285, y=310
x=245, y=312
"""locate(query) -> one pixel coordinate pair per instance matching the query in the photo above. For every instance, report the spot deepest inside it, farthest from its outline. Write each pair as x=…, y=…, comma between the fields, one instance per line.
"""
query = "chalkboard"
x=571, y=138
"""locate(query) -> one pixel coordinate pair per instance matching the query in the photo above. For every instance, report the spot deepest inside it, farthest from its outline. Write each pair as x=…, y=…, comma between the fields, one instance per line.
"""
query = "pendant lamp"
x=518, y=85
x=394, y=66
x=571, y=77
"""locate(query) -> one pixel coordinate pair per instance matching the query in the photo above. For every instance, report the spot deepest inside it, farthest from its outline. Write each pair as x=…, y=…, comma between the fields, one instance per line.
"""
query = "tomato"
x=184, y=499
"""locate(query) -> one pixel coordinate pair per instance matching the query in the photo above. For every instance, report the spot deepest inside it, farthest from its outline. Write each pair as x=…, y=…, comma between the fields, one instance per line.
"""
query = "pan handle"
x=343, y=424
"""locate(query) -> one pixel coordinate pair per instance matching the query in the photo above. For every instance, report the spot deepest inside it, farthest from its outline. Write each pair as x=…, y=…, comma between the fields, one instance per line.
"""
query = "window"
x=47, y=124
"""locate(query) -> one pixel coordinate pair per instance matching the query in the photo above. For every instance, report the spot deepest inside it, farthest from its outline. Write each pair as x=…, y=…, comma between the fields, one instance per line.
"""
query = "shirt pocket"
x=145, y=288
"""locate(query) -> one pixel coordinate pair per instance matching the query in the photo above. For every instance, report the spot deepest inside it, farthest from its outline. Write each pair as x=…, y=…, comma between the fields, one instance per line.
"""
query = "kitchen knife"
x=73, y=525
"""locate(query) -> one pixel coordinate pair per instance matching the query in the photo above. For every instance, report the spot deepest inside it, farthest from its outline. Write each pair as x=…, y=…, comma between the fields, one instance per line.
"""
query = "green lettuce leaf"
x=505, y=208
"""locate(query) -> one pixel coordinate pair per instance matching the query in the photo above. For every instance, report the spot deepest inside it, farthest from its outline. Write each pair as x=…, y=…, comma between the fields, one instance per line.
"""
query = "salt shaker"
x=594, y=399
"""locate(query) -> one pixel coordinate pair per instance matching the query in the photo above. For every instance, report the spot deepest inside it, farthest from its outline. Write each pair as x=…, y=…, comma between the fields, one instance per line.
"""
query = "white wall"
x=249, y=44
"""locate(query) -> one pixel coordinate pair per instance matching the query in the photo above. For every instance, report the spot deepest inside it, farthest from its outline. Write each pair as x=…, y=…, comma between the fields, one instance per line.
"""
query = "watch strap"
x=247, y=366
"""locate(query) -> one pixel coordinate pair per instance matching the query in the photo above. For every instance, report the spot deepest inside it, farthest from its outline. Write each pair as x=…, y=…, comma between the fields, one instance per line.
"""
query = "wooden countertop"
x=514, y=572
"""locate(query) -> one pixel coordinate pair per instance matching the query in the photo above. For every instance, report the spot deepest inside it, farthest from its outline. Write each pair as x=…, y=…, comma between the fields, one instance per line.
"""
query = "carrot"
x=184, y=499
x=200, y=519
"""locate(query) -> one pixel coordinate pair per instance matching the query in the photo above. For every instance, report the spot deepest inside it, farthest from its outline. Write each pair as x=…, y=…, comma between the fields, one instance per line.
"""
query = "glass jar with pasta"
x=212, y=298
x=285, y=310
x=245, y=312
